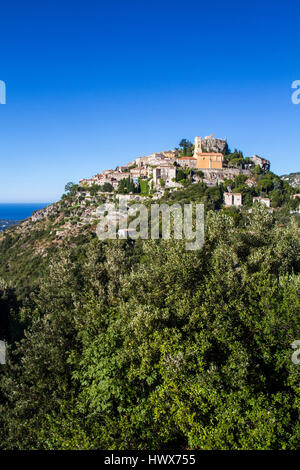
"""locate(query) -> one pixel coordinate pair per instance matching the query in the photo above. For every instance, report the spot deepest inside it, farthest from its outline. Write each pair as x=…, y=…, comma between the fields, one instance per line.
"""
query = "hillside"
x=293, y=179
x=143, y=344
x=25, y=249
x=5, y=223
x=168, y=177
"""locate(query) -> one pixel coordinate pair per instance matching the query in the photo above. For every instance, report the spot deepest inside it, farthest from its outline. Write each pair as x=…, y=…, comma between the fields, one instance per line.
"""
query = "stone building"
x=233, y=199
x=210, y=160
x=262, y=200
x=154, y=159
x=170, y=153
x=140, y=172
x=187, y=162
x=86, y=182
x=164, y=172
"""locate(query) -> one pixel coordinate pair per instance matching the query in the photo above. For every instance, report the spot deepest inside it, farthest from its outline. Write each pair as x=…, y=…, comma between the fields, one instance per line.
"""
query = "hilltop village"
x=208, y=160
x=205, y=171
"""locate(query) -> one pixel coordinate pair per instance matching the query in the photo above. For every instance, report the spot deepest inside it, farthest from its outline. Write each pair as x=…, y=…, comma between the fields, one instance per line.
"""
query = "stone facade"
x=187, y=162
x=140, y=172
x=233, y=199
x=262, y=200
x=154, y=159
x=217, y=176
x=166, y=173
x=170, y=153
x=210, y=161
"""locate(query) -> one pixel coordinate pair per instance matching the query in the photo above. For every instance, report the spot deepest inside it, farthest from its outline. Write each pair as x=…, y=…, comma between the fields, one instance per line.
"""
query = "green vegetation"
x=148, y=346
x=186, y=148
x=127, y=186
x=142, y=344
x=144, y=185
x=211, y=197
x=236, y=159
x=265, y=184
x=183, y=176
x=292, y=179
x=71, y=188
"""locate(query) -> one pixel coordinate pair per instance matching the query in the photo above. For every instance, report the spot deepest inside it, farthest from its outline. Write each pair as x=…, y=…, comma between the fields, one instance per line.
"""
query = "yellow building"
x=206, y=161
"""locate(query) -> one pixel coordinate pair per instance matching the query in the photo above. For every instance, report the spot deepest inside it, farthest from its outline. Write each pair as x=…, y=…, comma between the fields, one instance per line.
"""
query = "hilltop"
x=123, y=344
x=232, y=183
x=145, y=345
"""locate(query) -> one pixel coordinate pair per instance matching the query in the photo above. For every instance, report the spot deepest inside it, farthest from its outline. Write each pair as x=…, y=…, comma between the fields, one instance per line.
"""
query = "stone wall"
x=214, y=176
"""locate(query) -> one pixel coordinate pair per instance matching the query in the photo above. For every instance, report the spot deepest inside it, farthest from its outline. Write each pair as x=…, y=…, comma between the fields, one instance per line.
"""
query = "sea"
x=12, y=213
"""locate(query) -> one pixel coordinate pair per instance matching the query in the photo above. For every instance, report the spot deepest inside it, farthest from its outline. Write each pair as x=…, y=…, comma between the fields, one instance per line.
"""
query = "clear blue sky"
x=94, y=84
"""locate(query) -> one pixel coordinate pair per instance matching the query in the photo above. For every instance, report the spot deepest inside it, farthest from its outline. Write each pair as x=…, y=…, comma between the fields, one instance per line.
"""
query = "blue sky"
x=94, y=84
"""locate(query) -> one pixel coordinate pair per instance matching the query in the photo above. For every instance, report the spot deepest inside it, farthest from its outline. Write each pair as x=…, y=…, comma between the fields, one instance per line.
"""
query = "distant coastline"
x=5, y=223
x=12, y=213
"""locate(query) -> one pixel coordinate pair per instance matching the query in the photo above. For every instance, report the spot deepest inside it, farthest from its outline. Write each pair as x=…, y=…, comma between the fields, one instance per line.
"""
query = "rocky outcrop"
x=41, y=214
x=217, y=176
x=210, y=144
x=293, y=179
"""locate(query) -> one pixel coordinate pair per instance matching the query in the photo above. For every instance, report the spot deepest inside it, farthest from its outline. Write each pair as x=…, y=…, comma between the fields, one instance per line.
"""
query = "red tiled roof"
x=187, y=158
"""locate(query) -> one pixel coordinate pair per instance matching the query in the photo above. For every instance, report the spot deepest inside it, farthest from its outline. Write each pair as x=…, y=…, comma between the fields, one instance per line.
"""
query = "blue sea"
x=19, y=211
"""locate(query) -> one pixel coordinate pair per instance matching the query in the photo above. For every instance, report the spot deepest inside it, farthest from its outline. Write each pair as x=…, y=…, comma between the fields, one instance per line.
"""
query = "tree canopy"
x=146, y=346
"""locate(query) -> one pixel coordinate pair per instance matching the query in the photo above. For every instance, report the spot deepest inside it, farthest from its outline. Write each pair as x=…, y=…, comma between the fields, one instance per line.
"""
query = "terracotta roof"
x=187, y=158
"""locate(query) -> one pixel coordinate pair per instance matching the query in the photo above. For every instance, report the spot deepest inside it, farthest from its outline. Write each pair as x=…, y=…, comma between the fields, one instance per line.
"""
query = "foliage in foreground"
x=148, y=346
